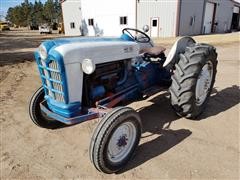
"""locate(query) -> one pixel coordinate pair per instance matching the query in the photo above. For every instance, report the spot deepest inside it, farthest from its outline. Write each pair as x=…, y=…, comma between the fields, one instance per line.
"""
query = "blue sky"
x=5, y=4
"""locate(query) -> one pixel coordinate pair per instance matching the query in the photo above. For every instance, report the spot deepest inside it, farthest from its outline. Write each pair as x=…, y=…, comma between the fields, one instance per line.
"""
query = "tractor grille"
x=52, y=80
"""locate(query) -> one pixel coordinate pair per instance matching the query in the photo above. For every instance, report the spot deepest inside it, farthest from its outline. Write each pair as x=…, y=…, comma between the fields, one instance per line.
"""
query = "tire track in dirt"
x=3, y=74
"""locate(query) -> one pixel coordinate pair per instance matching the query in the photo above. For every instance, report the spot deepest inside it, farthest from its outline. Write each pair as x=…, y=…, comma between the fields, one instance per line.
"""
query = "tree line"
x=34, y=14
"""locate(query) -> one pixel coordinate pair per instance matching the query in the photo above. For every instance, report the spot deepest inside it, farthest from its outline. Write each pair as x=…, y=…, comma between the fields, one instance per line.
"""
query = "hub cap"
x=121, y=142
x=203, y=83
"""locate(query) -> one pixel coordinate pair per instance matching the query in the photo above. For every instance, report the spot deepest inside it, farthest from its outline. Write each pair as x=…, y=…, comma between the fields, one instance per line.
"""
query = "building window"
x=90, y=22
x=72, y=25
x=154, y=23
x=123, y=20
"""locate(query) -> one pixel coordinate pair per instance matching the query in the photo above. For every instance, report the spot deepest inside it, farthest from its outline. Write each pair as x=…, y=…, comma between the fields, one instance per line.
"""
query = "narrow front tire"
x=115, y=139
x=37, y=116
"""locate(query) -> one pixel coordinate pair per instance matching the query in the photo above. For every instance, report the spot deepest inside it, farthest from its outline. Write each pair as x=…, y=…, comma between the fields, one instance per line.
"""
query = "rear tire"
x=188, y=80
x=115, y=139
x=37, y=116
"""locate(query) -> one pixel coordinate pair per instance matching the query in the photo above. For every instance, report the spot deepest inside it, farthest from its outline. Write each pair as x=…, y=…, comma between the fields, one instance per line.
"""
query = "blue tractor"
x=88, y=78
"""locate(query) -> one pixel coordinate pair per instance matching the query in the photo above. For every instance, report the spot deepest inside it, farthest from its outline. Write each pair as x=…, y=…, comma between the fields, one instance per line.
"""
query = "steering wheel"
x=143, y=38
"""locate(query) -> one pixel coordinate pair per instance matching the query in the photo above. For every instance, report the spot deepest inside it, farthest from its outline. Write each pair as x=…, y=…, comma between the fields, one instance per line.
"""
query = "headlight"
x=42, y=52
x=88, y=66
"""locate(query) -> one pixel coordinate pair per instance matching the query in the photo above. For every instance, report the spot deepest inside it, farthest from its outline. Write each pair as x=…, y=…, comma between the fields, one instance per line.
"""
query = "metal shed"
x=207, y=16
x=166, y=18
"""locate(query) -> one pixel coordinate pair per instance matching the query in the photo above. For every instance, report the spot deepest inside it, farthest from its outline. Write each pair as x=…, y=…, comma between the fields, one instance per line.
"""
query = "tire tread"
x=185, y=76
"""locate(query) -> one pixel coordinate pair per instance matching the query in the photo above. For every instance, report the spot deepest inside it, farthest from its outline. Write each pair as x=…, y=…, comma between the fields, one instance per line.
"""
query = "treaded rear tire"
x=37, y=116
x=103, y=133
x=184, y=79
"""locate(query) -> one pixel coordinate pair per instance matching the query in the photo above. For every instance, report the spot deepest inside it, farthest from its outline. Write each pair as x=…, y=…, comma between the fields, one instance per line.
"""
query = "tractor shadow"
x=157, y=118
x=221, y=101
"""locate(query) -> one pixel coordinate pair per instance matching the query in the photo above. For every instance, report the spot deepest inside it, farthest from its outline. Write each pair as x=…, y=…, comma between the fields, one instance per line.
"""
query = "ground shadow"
x=17, y=49
x=221, y=101
x=156, y=147
x=157, y=118
x=15, y=57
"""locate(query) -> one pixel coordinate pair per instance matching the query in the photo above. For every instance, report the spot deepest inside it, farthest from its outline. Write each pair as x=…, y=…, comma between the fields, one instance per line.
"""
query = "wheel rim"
x=121, y=142
x=204, y=83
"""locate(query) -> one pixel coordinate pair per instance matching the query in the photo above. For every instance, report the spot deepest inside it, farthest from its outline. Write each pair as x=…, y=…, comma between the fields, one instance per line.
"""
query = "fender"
x=179, y=47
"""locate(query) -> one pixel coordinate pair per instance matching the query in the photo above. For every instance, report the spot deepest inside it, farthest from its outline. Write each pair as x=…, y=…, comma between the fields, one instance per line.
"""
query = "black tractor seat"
x=153, y=51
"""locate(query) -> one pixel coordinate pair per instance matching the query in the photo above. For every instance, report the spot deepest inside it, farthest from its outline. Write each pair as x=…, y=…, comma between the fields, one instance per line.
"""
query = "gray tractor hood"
x=99, y=50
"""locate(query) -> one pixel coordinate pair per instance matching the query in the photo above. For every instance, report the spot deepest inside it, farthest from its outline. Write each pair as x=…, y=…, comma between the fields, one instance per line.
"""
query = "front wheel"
x=115, y=139
x=193, y=80
x=37, y=116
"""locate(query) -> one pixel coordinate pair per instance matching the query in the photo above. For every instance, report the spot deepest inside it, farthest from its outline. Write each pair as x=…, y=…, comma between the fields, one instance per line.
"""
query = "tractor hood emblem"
x=128, y=49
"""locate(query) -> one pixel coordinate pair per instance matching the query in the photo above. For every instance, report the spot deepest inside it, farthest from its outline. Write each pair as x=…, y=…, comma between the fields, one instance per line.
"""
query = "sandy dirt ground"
x=170, y=148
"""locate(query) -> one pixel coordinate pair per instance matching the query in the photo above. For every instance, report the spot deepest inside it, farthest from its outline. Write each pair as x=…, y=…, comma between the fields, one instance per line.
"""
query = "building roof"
x=236, y=2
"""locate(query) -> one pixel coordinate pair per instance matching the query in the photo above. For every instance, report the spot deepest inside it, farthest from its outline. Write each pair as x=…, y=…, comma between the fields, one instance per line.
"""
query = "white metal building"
x=208, y=16
x=98, y=17
x=72, y=17
x=165, y=18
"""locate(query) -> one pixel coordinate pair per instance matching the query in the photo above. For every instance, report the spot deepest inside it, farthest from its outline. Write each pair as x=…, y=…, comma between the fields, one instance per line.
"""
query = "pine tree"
x=28, y=14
